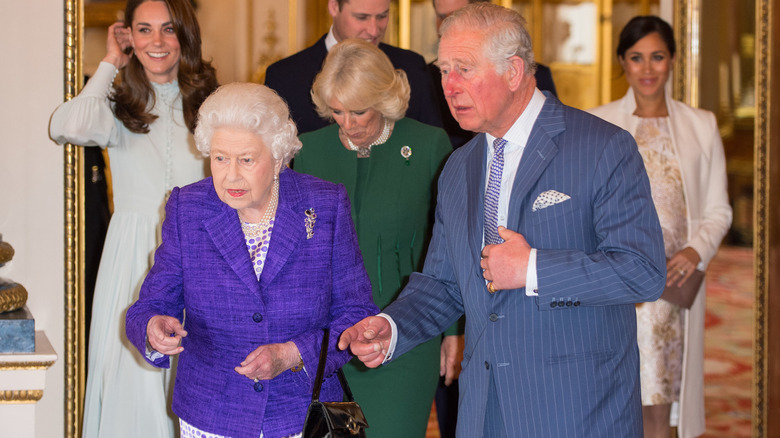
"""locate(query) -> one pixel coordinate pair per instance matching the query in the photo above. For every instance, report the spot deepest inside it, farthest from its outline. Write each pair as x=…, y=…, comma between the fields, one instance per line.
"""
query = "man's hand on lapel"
x=368, y=340
x=506, y=264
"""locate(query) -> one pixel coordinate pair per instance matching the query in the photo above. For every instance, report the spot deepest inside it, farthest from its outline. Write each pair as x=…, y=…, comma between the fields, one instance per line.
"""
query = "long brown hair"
x=196, y=77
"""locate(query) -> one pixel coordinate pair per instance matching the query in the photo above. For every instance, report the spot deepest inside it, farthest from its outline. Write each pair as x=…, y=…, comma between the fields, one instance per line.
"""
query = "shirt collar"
x=520, y=131
x=330, y=40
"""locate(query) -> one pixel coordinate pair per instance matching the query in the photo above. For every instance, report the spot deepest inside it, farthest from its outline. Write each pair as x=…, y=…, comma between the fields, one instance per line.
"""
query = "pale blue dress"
x=125, y=396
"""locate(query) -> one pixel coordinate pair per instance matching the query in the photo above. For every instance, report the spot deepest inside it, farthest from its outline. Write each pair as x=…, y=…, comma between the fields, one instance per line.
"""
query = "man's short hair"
x=504, y=29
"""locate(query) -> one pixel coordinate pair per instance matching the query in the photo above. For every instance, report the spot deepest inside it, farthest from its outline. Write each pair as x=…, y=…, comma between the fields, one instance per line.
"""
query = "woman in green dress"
x=389, y=165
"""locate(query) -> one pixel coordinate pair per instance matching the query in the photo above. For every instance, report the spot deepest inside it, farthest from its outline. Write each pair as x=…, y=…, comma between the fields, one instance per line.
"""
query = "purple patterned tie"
x=492, y=193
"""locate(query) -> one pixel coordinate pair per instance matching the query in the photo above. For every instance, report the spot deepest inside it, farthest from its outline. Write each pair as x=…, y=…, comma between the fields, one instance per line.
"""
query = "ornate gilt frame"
x=74, y=354
x=685, y=86
x=761, y=184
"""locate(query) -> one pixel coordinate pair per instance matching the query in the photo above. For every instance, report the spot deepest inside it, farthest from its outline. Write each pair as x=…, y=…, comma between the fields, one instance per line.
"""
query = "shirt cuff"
x=393, y=338
x=531, y=279
x=151, y=353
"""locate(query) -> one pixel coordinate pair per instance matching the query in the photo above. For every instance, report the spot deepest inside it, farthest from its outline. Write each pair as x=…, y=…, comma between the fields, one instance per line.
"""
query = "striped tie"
x=492, y=193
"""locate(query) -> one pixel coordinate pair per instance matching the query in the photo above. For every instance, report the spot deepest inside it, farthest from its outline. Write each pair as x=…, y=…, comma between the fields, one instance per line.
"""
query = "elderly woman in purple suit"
x=255, y=261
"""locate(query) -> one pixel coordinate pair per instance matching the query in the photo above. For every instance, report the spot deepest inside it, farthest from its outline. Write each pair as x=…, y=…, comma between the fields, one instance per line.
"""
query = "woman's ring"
x=490, y=287
x=681, y=271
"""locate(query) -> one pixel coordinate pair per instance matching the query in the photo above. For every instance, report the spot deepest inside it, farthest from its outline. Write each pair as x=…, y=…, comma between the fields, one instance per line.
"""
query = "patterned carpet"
x=728, y=352
x=728, y=343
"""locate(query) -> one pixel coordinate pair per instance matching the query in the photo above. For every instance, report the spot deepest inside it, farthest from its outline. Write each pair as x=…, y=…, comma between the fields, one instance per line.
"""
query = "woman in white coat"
x=684, y=158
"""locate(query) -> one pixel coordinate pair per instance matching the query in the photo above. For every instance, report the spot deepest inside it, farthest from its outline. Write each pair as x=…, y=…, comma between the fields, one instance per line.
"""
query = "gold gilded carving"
x=25, y=366
x=74, y=226
x=20, y=396
x=760, y=227
x=269, y=55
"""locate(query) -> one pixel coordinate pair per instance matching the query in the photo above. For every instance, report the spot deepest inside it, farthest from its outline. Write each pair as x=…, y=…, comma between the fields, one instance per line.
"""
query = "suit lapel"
x=225, y=231
x=538, y=154
x=475, y=184
x=289, y=228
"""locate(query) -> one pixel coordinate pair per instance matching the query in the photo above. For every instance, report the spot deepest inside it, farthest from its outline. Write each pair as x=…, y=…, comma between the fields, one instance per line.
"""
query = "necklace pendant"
x=364, y=152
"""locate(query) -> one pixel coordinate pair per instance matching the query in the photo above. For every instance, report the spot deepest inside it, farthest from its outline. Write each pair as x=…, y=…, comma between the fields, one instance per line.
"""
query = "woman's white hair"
x=250, y=107
x=504, y=29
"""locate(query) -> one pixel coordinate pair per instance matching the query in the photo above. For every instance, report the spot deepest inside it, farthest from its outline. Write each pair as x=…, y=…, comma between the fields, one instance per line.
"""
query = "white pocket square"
x=548, y=198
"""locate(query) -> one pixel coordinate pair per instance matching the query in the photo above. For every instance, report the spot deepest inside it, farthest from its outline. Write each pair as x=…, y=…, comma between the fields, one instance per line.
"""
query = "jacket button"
x=576, y=303
x=561, y=303
x=553, y=304
x=493, y=317
x=258, y=386
x=569, y=303
x=257, y=317
x=487, y=365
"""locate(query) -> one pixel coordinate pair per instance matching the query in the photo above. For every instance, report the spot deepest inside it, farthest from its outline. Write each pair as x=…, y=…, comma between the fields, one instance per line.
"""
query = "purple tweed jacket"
x=202, y=268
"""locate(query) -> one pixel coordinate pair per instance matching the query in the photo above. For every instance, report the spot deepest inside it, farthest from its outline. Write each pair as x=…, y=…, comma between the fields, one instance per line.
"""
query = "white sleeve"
x=393, y=338
x=88, y=119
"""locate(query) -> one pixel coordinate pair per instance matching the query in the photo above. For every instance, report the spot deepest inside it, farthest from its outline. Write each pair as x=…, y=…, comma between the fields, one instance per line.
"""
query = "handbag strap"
x=315, y=396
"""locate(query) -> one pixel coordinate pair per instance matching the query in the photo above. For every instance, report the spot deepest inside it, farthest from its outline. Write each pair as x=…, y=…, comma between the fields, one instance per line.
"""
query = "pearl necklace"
x=256, y=229
x=365, y=151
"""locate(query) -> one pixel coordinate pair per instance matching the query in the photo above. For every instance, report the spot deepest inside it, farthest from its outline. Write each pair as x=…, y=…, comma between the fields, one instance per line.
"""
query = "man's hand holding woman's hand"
x=369, y=340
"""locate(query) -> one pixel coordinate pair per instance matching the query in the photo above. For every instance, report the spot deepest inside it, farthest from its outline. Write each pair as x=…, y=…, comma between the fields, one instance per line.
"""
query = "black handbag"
x=333, y=419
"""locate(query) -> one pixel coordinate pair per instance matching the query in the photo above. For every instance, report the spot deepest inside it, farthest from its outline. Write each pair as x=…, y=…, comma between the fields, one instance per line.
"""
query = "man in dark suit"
x=458, y=135
x=293, y=76
x=545, y=237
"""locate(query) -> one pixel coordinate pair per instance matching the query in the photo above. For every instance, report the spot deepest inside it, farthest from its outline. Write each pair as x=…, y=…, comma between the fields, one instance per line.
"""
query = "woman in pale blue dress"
x=145, y=123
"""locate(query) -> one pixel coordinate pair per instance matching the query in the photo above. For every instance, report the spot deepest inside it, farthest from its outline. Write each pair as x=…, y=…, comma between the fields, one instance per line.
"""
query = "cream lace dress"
x=660, y=324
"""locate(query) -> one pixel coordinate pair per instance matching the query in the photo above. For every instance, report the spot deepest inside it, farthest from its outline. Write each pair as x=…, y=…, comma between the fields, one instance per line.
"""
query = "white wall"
x=31, y=200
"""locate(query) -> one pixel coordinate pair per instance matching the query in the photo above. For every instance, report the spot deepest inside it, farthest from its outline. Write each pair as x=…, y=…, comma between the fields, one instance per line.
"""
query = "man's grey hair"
x=504, y=29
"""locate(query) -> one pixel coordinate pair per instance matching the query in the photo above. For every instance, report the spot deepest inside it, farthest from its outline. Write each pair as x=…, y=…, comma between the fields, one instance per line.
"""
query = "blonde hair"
x=360, y=76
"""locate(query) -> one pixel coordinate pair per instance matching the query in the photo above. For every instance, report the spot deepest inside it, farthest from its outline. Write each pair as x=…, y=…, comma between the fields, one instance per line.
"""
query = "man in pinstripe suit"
x=550, y=321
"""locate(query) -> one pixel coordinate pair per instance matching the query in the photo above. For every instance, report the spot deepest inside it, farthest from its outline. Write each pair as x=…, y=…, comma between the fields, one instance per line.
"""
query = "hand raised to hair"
x=118, y=42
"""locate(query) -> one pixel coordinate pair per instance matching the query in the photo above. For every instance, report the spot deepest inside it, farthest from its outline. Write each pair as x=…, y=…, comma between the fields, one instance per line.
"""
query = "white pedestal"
x=22, y=380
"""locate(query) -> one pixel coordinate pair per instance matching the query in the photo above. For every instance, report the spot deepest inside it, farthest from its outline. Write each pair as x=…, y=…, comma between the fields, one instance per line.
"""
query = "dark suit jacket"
x=458, y=135
x=565, y=363
x=203, y=266
x=292, y=78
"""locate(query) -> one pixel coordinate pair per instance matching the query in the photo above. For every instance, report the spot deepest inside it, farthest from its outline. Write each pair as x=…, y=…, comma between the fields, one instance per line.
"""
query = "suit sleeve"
x=628, y=264
x=431, y=301
x=351, y=298
x=161, y=292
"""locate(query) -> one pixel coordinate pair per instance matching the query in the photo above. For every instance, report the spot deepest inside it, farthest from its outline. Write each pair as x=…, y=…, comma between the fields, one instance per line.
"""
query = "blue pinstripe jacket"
x=565, y=363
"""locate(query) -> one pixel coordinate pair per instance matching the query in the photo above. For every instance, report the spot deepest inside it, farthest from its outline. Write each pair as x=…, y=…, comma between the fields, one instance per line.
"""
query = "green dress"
x=393, y=198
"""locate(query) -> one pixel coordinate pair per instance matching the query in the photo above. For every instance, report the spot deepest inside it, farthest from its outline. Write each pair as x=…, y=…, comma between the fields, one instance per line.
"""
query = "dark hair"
x=641, y=26
x=197, y=78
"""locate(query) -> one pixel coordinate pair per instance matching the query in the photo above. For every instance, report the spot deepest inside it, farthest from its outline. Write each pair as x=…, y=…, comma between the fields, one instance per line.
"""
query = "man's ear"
x=333, y=8
x=515, y=72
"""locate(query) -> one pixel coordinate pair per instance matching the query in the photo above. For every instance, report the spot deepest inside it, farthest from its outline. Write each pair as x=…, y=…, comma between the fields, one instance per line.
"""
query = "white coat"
x=697, y=143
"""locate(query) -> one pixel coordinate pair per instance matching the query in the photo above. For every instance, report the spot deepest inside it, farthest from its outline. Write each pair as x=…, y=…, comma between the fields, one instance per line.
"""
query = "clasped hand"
x=506, y=264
